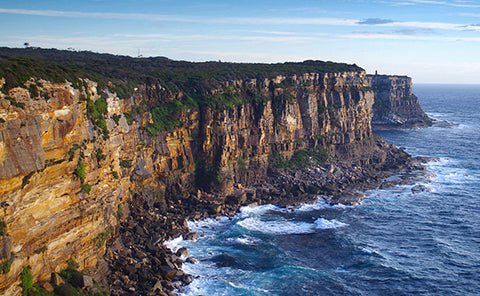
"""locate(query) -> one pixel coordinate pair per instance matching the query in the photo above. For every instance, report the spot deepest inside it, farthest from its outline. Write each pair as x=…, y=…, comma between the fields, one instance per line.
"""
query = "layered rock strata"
x=395, y=104
x=67, y=180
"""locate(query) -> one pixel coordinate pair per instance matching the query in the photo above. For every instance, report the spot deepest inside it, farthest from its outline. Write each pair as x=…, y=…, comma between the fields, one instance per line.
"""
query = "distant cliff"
x=75, y=154
x=395, y=104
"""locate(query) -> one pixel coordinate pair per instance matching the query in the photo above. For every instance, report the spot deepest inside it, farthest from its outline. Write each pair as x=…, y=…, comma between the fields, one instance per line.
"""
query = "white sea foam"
x=207, y=223
x=244, y=240
x=249, y=211
x=288, y=227
x=174, y=244
x=322, y=223
x=276, y=227
x=318, y=205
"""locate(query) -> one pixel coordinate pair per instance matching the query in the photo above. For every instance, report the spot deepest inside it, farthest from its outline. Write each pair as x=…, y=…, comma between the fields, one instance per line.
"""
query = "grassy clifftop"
x=18, y=65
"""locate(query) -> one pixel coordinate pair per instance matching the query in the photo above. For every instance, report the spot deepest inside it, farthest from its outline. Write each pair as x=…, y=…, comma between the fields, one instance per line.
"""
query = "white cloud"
x=458, y=3
x=237, y=20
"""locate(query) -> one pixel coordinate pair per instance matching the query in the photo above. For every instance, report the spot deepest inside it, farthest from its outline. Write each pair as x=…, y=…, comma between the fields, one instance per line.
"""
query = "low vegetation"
x=102, y=238
x=72, y=285
x=125, y=163
x=80, y=171
x=5, y=266
x=96, y=113
x=3, y=227
x=85, y=188
x=29, y=288
x=301, y=158
x=14, y=103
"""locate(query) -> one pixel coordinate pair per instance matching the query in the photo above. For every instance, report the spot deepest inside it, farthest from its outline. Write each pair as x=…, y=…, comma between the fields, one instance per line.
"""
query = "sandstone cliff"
x=395, y=104
x=73, y=156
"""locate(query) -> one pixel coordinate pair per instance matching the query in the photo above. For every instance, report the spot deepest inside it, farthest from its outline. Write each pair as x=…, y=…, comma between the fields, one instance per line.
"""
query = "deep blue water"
x=394, y=243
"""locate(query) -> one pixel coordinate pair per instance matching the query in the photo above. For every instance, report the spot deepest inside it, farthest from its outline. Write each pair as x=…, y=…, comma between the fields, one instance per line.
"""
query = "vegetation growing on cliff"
x=15, y=103
x=28, y=286
x=80, y=171
x=5, y=266
x=74, y=281
x=301, y=158
x=3, y=227
x=85, y=188
x=102, y=238
x=96, y=113
x=125, y=163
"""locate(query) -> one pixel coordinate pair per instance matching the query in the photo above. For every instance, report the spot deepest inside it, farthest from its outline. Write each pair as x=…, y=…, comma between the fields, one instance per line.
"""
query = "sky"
x=433, y=41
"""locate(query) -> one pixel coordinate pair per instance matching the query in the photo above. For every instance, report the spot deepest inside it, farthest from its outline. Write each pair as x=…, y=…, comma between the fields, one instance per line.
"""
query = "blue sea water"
x=395, y=242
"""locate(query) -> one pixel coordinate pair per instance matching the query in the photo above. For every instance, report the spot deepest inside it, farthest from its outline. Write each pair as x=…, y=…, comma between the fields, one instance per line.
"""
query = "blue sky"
x=431, y=40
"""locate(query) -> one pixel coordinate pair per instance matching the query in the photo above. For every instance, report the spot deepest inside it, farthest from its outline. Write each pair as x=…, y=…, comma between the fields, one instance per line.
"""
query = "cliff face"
x=395, y=104
x=64, y=182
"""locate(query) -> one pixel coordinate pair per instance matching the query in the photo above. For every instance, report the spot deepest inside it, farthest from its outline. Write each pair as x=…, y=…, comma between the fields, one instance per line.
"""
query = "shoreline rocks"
x=139, y=260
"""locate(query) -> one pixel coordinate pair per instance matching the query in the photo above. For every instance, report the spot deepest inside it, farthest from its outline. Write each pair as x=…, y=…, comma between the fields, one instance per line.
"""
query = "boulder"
x=157, y=287
x=191, y=236
x=191, y=260
x=48, y=287
x=168, y=272
x=187, y=279
x=56, y=279
x=182, y=252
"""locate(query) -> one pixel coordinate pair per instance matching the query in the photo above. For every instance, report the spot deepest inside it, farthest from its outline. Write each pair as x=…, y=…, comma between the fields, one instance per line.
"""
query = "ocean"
x=396, y=242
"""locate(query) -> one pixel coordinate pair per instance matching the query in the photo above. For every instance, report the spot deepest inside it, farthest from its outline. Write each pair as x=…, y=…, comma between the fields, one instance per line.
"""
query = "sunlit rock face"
x=63, y=180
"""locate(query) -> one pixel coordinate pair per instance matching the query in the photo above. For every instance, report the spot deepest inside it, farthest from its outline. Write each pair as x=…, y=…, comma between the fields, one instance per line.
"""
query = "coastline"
x=167, y=277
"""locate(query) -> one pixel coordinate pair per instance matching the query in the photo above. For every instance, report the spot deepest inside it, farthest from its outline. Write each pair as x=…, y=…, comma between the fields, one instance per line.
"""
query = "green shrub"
x=5, y=266
x=33, y=90
x=85, y=188
x=301, y=159
x=116, y=118
x=128, y=117
x=2, y=120
x=80, y=171
x=96, y=113
x=99, y=155
x=102, y=238
x=125, y=163
x=71, y=152
x=14, y=103
x=165, y=117
x=28, y=287
x=26, y=280
x=115, y=175
x=119, y=210
x=3, y=228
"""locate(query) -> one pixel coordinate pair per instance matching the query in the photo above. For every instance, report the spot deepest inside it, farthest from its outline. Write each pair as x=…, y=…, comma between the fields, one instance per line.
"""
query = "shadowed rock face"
x=395, y=104
x=45, y=141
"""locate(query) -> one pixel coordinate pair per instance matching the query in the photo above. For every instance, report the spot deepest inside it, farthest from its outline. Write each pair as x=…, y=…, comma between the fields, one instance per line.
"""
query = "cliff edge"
x=395, y=104
x=102, y=157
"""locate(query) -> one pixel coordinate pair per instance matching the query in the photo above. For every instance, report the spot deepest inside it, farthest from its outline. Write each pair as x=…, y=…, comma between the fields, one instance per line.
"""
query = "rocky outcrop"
x=69, y=166
x=395, y=104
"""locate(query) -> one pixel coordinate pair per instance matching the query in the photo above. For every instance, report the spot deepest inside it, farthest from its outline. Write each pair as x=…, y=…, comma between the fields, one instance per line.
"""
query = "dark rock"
x=182, y=252
x=187, y=279
x=168, y=272
x=56, y=279
x=157, y=287
x=191, y=236
x=83, y=281
x=191, y=260
x=419, y=188
x=5, y=248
